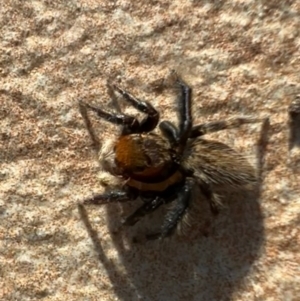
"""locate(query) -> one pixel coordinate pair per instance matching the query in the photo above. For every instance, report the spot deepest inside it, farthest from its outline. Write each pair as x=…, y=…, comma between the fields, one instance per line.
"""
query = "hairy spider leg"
x=150, y=121
x=128, y=122
x=179, y=137
x=185, y=113
x=215, y=126
x=148, y=207
x=111, y=197
x=211, y=197
x=169, y=131
x=177, y=212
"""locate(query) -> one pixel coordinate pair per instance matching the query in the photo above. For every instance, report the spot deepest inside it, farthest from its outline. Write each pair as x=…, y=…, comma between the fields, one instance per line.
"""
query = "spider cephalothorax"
x=166, y=168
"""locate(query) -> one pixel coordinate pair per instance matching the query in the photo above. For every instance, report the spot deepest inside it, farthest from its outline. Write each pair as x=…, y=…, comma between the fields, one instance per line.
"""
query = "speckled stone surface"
x=240, y=57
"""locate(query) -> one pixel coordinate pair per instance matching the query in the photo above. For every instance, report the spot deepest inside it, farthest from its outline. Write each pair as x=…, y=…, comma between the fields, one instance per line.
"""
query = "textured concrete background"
x=240, y=57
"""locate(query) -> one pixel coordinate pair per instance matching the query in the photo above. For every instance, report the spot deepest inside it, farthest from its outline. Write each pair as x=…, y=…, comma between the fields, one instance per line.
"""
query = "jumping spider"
x=160, y=169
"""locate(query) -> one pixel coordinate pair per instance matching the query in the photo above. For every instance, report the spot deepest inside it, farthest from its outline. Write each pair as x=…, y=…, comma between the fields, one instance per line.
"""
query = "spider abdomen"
x=218, y=163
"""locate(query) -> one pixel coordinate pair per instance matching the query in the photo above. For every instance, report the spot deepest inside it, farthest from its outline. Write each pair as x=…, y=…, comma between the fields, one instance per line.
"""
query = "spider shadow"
x=200, y=267
x=180, y=267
